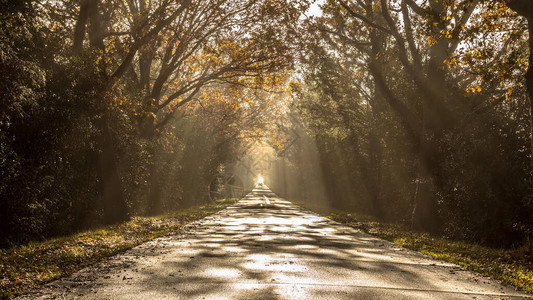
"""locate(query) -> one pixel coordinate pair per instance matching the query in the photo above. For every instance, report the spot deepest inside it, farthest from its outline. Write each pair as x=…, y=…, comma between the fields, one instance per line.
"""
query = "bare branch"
x=416, y=8
x=363, y=18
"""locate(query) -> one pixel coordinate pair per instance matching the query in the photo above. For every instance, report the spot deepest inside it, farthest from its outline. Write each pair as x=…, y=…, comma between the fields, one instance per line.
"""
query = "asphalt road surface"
x=267, y=248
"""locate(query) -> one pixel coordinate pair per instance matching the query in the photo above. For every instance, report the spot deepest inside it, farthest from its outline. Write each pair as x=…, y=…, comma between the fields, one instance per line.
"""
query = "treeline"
x=111, y=109
x=420, y=113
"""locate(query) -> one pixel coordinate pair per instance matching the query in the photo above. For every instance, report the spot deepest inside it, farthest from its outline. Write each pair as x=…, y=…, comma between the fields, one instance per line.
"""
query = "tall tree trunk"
x=529, y=83
x=376, y=147
x=376, y=158
x=109, y=181
x=525, y=9
x=79, y=31
x=89, y=13
x=376, y=155
x=154, y=194
x=96, y=38
x=425, y=209
x=376, y=163
x=148, y=131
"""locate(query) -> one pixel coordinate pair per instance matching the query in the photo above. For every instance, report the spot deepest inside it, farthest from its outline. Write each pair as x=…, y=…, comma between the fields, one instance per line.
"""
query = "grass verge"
x=512, y=266
x=25, y=267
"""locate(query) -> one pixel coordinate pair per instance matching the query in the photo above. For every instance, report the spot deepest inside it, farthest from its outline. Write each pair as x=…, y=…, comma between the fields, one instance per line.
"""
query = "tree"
x=212, y=42
x=525, y=9
x=444, y=71
x=443, y=40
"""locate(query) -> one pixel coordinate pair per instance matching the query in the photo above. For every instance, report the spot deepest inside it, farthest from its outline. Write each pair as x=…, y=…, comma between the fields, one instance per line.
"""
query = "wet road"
x=267, y=248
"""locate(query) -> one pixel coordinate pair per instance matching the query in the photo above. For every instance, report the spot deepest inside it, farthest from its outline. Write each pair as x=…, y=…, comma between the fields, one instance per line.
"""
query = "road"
x=267, y=248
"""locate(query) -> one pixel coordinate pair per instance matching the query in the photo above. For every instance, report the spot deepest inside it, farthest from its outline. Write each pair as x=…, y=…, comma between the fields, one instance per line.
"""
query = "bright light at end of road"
x=260, y=180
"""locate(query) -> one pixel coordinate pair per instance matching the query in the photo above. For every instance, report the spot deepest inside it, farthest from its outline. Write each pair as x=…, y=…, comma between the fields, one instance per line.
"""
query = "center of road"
x=267, y=202
x=265, y=247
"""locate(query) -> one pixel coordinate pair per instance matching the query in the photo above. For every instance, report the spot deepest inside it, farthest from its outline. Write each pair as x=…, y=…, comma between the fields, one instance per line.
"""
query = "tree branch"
x=416, y=8
x=363, y=18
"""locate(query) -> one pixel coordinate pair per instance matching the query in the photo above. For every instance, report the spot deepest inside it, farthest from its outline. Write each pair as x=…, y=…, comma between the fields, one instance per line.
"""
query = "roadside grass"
x=511, y=266
x=25, y=267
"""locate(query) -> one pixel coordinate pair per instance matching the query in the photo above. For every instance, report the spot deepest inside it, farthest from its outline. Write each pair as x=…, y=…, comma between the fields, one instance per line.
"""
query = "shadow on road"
x=264, y=247
x=279, y=250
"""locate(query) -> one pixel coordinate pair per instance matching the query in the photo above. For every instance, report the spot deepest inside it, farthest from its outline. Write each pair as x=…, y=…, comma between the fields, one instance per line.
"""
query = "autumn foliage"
x=421, y=114
x=112, y=109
